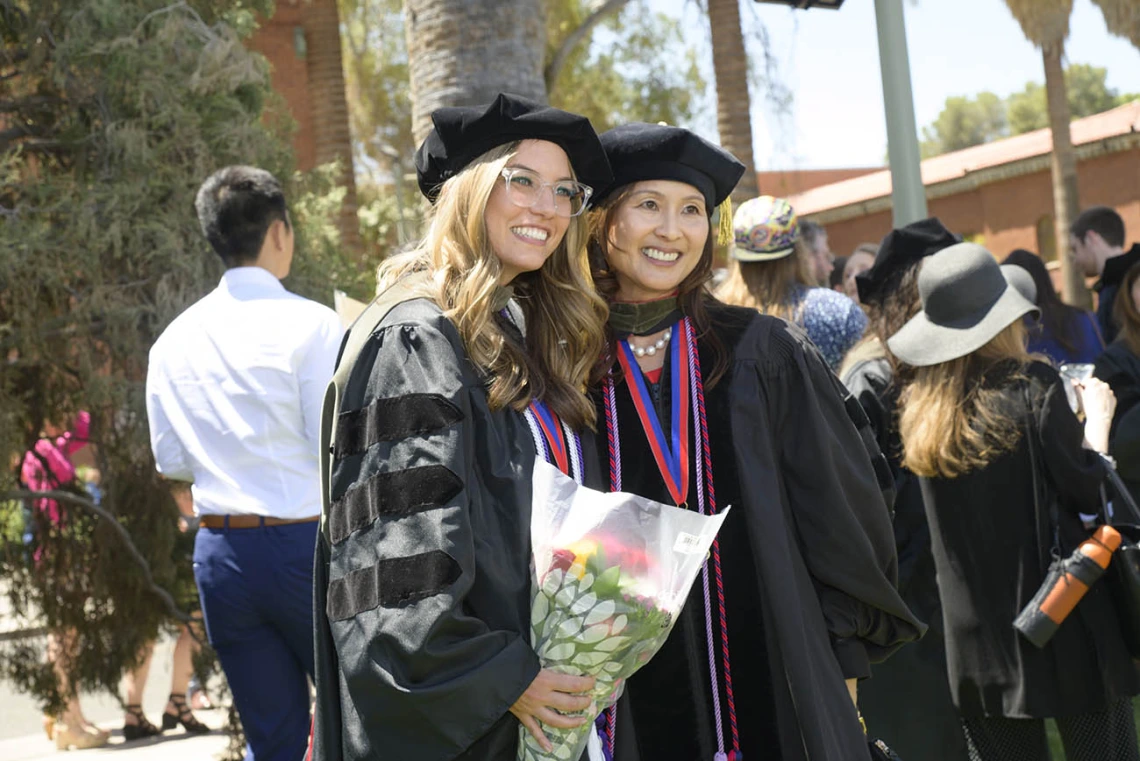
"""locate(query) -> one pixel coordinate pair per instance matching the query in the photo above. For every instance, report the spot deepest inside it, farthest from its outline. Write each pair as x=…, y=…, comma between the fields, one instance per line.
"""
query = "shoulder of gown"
x=836, y=484
x=419, y=655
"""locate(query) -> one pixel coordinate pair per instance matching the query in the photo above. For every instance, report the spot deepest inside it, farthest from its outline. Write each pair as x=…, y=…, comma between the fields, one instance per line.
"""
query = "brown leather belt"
x=249, y=521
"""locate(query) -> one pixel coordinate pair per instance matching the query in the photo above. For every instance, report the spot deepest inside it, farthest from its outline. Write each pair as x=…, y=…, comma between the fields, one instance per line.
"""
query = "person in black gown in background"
x=907, y=699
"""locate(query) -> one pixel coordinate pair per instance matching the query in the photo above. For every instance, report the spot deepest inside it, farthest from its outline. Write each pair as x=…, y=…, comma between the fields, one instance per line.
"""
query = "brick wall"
x=1007, y=214
x=789, y=182
x=302, y=44
x=275, y=40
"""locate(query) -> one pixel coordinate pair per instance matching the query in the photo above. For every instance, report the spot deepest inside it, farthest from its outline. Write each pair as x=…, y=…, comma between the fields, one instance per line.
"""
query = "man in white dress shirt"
x=234, y=392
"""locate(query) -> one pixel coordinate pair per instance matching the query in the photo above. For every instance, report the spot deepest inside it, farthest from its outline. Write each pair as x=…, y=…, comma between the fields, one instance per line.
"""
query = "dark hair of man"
x=1101, y=219
x=836, y=277
x=236, y=206
x=810, y=233
x=1058, y=319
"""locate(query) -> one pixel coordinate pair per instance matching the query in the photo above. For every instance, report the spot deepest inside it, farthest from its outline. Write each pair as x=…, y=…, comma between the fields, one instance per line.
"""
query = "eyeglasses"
x=525, y=188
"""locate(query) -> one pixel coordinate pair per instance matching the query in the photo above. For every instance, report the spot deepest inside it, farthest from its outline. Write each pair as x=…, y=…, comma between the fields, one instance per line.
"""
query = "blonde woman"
x=770, y=270
x=990, y=434
x=475, y=365
x=907, y=700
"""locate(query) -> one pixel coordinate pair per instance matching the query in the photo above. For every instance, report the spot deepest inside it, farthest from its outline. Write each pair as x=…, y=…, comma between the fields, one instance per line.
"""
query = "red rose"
x=562, y=560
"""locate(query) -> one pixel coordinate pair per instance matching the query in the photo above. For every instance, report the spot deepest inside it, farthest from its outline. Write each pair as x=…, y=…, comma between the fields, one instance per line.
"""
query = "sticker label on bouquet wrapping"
x=687, y=544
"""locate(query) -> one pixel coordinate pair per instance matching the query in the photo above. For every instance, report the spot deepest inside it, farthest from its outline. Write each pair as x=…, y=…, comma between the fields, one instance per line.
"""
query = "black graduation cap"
x=641, y=151
x=902, y=247
x=463, y=133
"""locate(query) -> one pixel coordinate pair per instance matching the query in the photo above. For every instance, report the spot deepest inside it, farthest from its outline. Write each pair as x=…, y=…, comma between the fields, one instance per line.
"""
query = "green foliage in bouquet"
x=588, y=618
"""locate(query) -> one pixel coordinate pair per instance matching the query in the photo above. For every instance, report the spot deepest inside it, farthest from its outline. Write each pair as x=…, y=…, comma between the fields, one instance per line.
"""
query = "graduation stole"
x=554, y=441
x=687, y=397
x=672, y=454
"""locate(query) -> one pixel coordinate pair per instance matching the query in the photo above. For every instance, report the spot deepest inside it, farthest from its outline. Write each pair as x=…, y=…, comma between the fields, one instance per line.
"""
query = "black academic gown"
x=992, y=543
x=807, y=553
x=422, y=583
x=907, y=699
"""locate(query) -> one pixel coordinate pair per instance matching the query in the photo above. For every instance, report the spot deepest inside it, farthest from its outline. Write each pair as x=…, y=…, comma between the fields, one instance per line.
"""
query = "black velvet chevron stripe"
x=390, y=583
x=394, y=418
x=398, y=494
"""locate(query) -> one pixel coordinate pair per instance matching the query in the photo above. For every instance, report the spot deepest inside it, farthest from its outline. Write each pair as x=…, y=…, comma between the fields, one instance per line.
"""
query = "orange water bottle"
x=1065, y=585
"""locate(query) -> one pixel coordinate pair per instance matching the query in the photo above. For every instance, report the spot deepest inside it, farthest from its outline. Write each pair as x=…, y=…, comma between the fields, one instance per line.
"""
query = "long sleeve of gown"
x=414, y=658
x=834, y=492
x=1116, y=368
x=1075, y=472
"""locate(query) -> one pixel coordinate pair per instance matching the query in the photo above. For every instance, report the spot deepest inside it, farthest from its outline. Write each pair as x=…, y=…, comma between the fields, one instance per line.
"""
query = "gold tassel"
x=724, y=233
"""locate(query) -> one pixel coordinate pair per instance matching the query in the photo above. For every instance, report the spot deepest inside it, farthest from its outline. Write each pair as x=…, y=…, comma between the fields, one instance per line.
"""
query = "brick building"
x=783, y=183
x=302, y=43
x=999, y=194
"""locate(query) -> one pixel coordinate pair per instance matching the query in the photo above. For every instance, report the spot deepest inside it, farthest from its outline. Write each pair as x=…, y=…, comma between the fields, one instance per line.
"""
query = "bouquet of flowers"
x=612, y=572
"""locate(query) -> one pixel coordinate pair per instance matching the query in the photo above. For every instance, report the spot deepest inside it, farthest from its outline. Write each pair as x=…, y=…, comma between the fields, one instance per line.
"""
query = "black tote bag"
x=1123, y=574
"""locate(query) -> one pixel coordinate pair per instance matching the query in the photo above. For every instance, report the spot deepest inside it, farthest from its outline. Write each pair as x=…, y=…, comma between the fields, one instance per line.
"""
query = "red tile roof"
x=950, y=166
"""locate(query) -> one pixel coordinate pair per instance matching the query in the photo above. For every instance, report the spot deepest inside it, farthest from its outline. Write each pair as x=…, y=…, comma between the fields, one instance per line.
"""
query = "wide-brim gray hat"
x=966, y=301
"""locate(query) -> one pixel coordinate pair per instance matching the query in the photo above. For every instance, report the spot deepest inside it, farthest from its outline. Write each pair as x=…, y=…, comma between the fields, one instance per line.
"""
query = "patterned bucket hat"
x=764, y=229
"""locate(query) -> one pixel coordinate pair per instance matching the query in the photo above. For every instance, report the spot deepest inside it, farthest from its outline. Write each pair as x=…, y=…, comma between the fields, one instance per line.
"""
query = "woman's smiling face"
x=524, y=238
x=656, y=238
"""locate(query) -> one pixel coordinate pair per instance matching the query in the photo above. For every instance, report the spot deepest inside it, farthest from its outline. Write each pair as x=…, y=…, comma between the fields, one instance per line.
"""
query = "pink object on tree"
x=48, y=466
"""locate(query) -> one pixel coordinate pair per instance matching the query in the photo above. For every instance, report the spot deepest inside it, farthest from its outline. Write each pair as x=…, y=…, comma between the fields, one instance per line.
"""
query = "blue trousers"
x=256, y=588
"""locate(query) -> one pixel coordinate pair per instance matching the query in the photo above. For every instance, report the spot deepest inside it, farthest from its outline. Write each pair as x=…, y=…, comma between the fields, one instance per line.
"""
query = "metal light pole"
x=397, y=174
x=908, y=195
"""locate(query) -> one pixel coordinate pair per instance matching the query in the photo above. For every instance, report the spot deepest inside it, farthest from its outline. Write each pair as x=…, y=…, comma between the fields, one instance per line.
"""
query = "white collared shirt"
x=234, y=391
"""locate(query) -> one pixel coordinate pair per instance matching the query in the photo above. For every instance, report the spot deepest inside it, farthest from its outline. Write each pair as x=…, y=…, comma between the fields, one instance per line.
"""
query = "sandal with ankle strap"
x=184, y=716
x=142, y=729
x=79, y=737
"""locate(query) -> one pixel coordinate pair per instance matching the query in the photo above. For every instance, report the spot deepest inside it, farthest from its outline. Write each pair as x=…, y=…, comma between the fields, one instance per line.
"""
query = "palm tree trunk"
x=1066, y=204
x=733, y=105
x=465, y=53
x=331, y=133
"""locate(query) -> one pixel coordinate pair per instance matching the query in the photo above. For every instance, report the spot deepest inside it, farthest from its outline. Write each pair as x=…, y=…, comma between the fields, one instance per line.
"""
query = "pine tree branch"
x=89, y=505
x=558, y=61
x=32, y=101
x=14, y=56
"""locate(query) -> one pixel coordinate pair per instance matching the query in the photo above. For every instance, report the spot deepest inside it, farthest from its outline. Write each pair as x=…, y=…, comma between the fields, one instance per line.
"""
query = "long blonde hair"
x=954, y=417
x=766, y=286
x=564, y=316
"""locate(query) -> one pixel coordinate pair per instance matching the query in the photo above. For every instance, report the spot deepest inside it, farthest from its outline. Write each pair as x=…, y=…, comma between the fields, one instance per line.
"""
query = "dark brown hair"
x=1058, y=319
x=1124, y=312
x=887, y=315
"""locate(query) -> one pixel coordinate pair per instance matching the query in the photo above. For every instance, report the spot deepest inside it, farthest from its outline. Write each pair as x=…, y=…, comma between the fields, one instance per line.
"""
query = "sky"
x=830, y=59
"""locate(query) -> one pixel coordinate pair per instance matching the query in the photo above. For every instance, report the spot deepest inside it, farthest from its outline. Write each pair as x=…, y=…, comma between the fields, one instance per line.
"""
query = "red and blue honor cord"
x=554, y=441
x=607, y=722
x=672, y=454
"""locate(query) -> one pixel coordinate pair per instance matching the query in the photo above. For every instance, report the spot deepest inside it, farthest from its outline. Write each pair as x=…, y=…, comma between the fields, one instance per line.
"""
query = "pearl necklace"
x=656, y=346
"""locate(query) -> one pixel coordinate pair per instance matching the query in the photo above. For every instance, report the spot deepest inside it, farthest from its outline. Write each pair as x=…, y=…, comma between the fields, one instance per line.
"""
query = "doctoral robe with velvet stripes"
x=422, y=580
